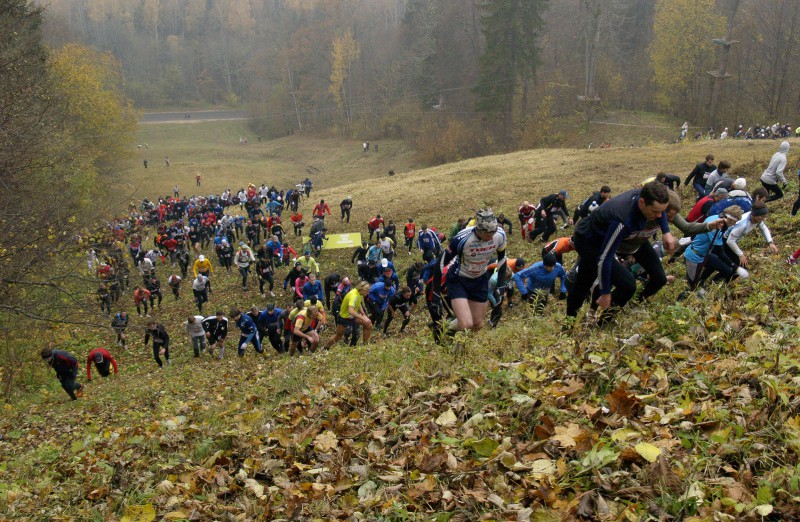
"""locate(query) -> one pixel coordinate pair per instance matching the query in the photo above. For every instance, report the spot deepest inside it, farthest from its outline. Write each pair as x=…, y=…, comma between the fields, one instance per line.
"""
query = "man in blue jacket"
x=66, y=367
x=534, y=282
x=597, y=237
x=248, y=329
x=270, y=317
x=378, y=301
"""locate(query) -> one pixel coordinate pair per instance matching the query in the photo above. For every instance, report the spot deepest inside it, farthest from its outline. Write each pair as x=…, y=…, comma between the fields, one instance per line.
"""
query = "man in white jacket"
x=750, y=220
x=774, y=173
x=194, y=327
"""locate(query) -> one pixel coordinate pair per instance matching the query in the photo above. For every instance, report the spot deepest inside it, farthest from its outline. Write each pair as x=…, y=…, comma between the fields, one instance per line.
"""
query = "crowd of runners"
x=463, y=279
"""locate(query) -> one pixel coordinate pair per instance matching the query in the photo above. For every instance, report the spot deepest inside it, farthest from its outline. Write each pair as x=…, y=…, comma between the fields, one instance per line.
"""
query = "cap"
x=739, y=184
x=98, y=357
x=563, y=193
x=384, y=262
x=520, y=262
x=733, y=212
x=485, y=221
x=270, y=307
x=722, y=191
x=298, y=263
x=201, y=258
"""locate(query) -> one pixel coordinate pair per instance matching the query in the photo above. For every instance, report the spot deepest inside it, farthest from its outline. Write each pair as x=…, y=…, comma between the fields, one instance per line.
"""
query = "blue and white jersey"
x=471, y=254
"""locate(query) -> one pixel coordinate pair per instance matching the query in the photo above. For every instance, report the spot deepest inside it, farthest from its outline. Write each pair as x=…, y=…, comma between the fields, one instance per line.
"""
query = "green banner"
x=339, y=240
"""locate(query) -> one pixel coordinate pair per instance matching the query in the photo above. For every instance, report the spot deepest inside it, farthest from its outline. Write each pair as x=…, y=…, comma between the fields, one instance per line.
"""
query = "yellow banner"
x=339, y=240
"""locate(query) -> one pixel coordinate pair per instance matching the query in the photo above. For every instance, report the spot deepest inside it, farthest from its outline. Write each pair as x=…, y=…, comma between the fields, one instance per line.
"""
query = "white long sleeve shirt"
x=741, y=229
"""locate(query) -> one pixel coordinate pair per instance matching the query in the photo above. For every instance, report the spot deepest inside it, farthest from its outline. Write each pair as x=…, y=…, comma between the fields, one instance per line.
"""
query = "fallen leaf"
x=326, y=441
x=447, y=418
x=649, y=452
x=623, y=402
x=143, y=513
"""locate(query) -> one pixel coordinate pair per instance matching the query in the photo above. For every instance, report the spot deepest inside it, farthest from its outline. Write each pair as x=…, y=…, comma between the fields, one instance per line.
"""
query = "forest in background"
x=485, y=74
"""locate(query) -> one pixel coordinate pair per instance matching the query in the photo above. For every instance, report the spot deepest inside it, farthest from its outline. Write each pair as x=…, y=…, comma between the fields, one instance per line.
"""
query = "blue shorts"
x=476, y=290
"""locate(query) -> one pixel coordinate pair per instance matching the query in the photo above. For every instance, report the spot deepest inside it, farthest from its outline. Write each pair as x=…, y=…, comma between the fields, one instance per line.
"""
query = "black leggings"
x=774, y=190
x=68, y=383
x=266, y=278
x=156, y=348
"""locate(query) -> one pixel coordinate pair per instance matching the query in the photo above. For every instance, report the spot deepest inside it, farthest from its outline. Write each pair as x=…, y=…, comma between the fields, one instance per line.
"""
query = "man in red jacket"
x=374, y=225
x=102, y=360
x=704, y=204
x=320, y=209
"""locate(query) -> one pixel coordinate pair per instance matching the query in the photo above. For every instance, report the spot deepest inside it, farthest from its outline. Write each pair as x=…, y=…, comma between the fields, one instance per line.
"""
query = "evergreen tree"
x=512, y=29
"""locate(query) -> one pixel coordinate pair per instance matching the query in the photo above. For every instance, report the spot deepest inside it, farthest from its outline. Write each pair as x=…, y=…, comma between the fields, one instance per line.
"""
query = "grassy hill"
x=212, y=149
x=682, y=409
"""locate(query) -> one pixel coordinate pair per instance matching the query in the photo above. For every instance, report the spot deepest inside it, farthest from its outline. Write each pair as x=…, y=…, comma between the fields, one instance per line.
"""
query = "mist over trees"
x=487, y=73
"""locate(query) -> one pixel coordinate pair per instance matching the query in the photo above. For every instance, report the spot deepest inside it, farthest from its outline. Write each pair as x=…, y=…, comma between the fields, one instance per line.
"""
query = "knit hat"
x=549, y=260
x=733, y=212
x=722, y=191
x=98, y=357
x=739, y=184
x=563, y=193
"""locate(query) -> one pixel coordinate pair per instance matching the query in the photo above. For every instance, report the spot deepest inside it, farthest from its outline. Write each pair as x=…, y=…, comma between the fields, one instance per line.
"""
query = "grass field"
x=695, y=418
x=212, y=149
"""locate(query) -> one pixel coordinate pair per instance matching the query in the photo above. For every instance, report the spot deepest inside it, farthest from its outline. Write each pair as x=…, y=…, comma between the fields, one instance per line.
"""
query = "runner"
x=597, y=238
x=706, y=255
x=243, y=259
x=320, y=209
x=345, y=206
x=160, y=341
x=699, y=175
x=374, y=225
x=194, y=327
x=216, y=328
x=119, y=324
x=774, y=173
x=467, y=280
x=66, y=367
x=203, y=266
x=750, y=220
x=545, y=223
x=525, y=213
x=352, y=314
x=591, y=203
x=410, y=232
x=174, y=283
x=428, y=243
x=249, y=331
x=534, y=283
x=400, y=303
x=200, y=288
x=103, y=361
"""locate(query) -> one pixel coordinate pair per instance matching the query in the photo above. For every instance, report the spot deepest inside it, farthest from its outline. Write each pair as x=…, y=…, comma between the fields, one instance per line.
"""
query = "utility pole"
x=593, y=10
x=721, y=74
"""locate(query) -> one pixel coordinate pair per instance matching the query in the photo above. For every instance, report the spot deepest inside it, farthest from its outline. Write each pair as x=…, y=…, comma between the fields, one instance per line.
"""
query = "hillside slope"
x=679, y=410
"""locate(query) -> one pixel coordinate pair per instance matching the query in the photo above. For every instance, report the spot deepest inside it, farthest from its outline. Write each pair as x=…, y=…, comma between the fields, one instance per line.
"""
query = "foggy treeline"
x=396, y=67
